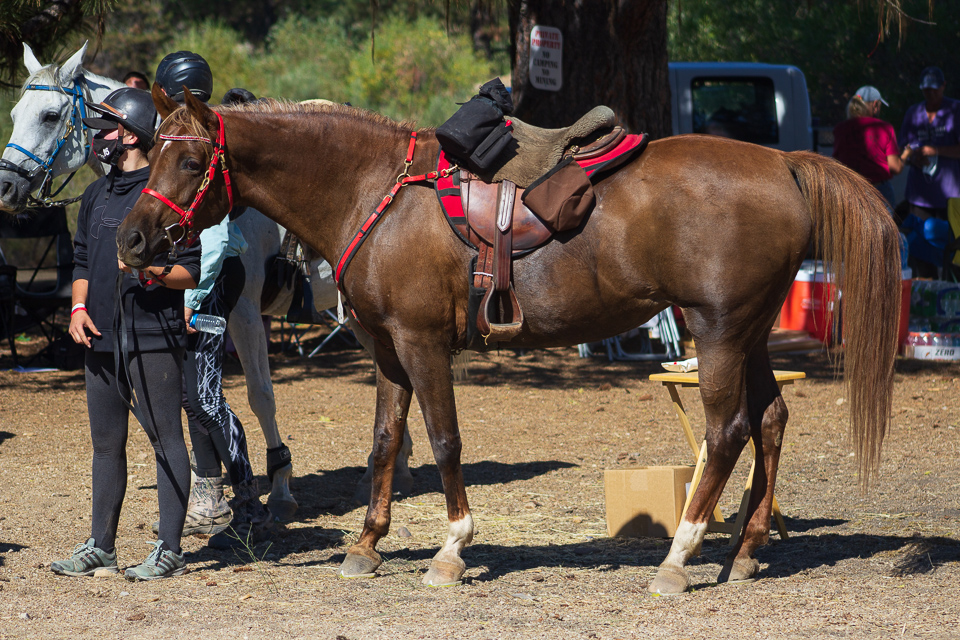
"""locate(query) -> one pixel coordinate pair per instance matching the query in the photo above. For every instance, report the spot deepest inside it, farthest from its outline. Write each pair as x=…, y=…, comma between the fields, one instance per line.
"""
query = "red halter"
x=186, y=217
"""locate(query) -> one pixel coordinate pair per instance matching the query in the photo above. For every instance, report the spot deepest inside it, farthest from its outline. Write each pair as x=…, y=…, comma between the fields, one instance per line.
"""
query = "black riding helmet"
x=133, y=108
x=185, y=68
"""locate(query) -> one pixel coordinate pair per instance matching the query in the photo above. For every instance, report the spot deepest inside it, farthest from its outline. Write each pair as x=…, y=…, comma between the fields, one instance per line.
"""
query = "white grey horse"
x=49, y=140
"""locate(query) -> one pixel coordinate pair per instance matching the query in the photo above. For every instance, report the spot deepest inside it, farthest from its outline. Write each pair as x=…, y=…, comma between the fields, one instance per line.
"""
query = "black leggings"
x=215, y=430
x=156, y=379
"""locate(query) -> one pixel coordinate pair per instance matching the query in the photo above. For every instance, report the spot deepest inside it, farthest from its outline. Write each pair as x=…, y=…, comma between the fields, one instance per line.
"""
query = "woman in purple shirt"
x=930, y=139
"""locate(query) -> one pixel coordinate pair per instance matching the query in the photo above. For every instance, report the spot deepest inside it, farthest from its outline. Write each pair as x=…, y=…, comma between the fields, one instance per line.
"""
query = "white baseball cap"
x=869, y=93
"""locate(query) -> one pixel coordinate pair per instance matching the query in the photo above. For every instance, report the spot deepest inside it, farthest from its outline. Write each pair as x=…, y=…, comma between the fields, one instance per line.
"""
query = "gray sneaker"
x=161, y=563
x=86, y=560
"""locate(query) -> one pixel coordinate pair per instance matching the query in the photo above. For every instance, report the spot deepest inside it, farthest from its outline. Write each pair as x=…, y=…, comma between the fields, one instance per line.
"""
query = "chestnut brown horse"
x=714, y=226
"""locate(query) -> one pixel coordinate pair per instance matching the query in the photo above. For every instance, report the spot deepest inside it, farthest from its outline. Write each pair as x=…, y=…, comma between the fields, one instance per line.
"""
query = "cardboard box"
x=645, y=501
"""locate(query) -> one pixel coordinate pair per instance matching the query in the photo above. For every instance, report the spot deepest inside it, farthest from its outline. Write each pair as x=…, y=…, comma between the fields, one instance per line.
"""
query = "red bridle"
x=186, y=217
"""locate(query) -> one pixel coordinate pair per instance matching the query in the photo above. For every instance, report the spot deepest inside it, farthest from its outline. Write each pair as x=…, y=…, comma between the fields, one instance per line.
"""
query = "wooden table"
x=717, y=524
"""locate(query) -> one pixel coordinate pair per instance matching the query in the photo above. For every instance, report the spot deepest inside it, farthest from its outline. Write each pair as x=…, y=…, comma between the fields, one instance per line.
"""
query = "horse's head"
x=48, y=137
x=188, y=190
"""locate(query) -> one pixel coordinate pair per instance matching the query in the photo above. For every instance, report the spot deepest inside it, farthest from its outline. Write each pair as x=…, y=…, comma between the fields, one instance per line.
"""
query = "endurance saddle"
x=543, y=187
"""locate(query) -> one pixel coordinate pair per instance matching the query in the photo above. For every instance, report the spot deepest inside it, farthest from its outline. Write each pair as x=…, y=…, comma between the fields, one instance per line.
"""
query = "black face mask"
x=108, y=151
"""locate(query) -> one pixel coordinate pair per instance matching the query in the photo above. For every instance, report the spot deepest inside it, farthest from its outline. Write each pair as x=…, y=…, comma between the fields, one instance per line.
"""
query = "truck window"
x=743, y=108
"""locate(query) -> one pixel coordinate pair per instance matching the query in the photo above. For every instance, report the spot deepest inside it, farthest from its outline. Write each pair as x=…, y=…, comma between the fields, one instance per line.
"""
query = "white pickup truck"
x=765, y=104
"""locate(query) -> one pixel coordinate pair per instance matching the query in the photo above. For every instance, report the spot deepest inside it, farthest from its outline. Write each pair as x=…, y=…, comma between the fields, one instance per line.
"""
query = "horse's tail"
x=857, y=238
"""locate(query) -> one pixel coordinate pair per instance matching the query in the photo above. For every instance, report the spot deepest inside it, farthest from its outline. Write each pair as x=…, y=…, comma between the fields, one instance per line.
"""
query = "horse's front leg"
x=246, y=329
x=430, y=373
x=402, y=478
x=394, y=392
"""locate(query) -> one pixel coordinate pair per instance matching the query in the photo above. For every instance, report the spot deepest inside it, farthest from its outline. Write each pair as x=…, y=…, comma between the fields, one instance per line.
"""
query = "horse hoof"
x=359, y=564
x=669, y=582
x=282, y=510
x=281, y=502
x=444, y=573
x=402, y=483
x=739, y=570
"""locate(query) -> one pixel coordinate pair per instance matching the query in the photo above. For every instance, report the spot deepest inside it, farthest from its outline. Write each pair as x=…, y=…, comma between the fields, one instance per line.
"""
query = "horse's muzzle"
x=132, y=248
x=14, y=191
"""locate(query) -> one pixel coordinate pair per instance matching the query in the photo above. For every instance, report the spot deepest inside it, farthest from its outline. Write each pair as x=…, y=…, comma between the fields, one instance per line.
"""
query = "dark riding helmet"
x=185, y=68
x=133, y=108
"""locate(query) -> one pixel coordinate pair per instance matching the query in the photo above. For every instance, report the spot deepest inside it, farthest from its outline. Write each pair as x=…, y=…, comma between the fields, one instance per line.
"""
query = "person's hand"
x=79, y=322
x=123, y=266
x=927, y=151
x=187, y=314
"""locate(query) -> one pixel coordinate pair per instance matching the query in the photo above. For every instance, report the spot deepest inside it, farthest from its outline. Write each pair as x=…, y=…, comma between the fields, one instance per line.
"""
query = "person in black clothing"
x=133, y=327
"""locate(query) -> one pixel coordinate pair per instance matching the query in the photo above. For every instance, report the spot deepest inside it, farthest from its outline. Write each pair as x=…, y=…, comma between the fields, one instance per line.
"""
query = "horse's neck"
x=322, y=184
x=99, y=87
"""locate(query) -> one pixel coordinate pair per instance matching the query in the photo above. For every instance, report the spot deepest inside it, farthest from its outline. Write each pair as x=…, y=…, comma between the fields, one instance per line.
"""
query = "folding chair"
x=304, y=312
x=662, y=327
x=38, y=244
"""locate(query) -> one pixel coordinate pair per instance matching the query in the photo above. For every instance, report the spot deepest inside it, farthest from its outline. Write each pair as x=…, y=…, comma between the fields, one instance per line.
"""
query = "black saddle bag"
x=477, y=134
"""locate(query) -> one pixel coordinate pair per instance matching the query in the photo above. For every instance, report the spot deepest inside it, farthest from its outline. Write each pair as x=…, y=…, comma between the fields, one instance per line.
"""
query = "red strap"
x=165, y=200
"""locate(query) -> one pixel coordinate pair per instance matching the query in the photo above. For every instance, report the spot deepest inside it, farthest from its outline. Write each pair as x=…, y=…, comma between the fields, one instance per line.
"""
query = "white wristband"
x=79, y=305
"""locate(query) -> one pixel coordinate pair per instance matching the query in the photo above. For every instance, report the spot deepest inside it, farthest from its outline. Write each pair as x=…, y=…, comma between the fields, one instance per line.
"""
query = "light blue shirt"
x=217, y=243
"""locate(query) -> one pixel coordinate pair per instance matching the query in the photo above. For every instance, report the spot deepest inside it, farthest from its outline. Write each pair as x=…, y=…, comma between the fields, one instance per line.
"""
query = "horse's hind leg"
x=246, y=329
x=394, y=392
x=768, y=419
x=728, y=429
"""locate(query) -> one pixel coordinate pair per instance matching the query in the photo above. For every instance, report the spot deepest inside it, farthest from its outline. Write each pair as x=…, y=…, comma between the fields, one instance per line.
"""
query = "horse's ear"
x=165, y=104
x=70, y=68
x=30, y=61
x=199, y=110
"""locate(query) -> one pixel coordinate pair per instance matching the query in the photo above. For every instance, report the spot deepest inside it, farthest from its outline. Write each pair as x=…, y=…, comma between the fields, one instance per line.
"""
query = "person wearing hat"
x=867, y=144
x=135, y=336
x=216, y=433
x=930, y=143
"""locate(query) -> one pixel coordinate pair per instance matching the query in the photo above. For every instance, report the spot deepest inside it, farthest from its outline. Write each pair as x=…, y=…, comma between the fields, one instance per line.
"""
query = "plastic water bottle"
x=208, y=323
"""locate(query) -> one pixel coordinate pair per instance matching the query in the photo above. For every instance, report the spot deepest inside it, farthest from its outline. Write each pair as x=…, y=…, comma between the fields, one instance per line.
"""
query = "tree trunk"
x=613, y=53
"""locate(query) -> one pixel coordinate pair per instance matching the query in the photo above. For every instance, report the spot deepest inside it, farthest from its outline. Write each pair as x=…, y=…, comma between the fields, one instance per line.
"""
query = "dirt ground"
x=538, y=430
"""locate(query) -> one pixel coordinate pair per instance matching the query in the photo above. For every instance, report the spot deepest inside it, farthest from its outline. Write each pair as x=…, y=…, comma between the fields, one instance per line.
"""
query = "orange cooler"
x=807, y=302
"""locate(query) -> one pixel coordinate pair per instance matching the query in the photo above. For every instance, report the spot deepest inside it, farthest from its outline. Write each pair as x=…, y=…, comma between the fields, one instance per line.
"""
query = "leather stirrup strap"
x=503, y=240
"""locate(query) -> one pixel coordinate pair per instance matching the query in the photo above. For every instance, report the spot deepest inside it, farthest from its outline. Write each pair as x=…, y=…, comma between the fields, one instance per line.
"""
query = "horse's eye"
x=50, y=117
x=190, y=164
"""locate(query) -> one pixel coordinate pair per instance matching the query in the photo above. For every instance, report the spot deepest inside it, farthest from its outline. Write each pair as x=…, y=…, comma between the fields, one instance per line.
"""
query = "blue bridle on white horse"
x=78, y=113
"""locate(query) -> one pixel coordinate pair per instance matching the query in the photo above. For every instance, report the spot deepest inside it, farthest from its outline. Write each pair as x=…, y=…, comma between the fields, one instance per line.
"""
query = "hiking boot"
x=161, y=563
x=251, y=523
x=86, y=561
x=207, y=509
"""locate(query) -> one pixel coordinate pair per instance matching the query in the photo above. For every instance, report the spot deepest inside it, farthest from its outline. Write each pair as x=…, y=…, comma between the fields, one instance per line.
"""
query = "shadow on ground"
x=331, y=492
x=907, y=555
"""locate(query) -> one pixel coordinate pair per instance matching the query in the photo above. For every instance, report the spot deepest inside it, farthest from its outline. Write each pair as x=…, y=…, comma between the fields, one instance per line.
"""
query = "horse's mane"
x=183, y=118
x=272, y=106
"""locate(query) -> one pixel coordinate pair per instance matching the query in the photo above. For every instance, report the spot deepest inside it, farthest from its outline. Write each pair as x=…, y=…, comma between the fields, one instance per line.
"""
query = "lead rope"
x=121, y=347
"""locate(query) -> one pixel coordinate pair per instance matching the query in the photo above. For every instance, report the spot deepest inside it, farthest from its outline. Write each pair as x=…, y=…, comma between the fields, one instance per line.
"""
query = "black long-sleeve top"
x=153, y=315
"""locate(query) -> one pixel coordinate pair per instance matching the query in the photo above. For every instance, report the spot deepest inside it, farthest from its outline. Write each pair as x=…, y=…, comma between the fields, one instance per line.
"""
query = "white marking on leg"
x=686, y=541
x=459, y=536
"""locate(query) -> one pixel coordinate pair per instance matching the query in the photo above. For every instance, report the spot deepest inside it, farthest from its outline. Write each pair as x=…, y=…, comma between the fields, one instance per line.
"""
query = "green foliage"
x=307, y=59
x=836, y=45
x=418, y=72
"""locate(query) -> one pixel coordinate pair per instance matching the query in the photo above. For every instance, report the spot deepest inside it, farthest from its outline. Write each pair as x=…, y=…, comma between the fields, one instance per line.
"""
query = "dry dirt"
x=538, y=430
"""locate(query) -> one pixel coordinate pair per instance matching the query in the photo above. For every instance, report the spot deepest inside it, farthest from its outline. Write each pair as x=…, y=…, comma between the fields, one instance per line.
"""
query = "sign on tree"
x=546, y=58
